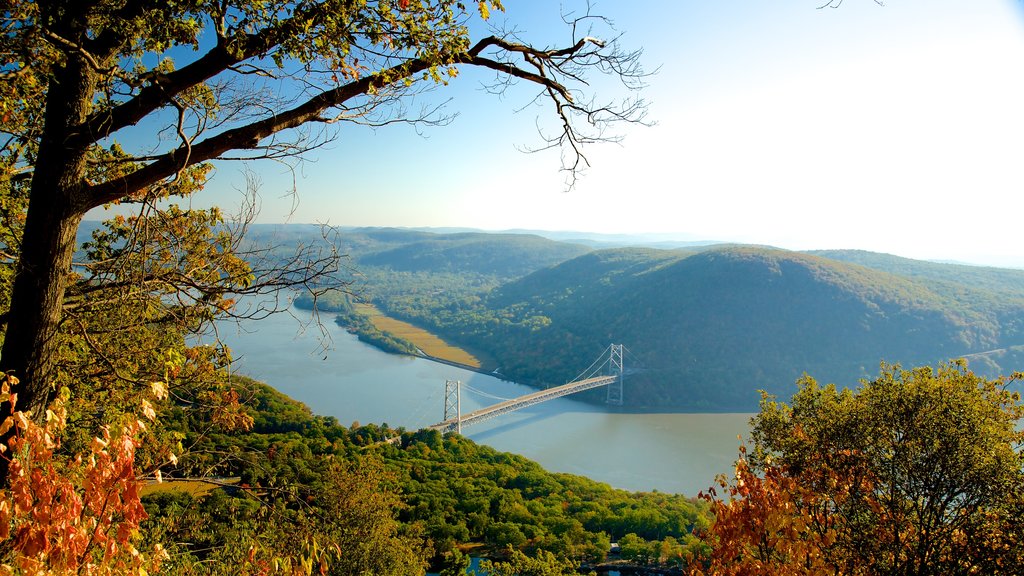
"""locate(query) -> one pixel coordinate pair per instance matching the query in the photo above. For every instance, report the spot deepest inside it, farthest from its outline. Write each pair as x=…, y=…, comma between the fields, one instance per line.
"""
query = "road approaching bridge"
x=455, y=424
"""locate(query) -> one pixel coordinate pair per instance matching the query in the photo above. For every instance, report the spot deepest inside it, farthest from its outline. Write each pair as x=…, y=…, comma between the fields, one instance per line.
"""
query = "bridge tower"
x=615, y=368
x=453, y=402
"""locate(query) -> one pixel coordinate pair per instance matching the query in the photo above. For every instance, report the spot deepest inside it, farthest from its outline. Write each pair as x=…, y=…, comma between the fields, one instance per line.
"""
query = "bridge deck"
x=522, y=402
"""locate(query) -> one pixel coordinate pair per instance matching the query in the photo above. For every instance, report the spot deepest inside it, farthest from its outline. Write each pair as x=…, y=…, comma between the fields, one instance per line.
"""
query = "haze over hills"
x=708, y=329
x=596, y=239
x=505, y=255
x=706, y=326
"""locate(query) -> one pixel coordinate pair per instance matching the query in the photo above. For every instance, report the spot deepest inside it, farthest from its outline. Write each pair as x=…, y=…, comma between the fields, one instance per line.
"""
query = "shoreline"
x=494, y=374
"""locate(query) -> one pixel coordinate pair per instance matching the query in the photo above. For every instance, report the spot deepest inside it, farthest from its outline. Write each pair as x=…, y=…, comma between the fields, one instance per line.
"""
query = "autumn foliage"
x=769, y=524
x=916, y=472
x=71, y=516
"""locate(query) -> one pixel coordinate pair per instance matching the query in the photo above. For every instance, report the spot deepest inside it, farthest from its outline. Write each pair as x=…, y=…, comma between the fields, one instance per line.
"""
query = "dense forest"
x=706, y=326
x=291, y=467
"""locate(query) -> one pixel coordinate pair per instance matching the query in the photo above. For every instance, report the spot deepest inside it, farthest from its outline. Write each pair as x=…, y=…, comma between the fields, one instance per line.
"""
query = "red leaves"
x=769, y=524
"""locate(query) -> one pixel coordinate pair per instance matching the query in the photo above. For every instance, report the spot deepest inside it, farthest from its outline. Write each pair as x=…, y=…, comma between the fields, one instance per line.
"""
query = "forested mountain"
x=505, y=255
x=959, y=281
x=707, y=329
x=407, y=250
x=706, y=326
x=442, y=491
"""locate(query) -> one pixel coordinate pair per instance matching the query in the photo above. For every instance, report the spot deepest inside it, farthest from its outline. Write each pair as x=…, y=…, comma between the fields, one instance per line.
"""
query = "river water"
x=352, y=381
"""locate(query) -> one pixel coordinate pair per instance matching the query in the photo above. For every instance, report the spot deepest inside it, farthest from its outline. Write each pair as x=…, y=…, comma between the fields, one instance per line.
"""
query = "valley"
x=707, y=327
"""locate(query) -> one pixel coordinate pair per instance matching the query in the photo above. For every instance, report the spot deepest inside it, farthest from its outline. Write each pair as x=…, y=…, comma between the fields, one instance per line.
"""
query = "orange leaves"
x=226, y=409
x=769, y=524
x=80, y=515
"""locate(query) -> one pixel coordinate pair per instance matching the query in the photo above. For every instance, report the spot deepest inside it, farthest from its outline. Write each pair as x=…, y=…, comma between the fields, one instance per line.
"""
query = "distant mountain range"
x=595, y=240
x=705, y=326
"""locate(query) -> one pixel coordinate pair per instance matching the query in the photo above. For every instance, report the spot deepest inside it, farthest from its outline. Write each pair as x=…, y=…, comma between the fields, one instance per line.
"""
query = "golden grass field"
x=194, y=487
x=430, y=344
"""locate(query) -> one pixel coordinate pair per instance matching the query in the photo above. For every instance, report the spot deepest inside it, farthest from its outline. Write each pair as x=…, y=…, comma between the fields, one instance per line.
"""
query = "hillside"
x=706, y=326
x=406, y=250
x=959, y=281
x=707, y=329
x=503, y=255
x=444, y=492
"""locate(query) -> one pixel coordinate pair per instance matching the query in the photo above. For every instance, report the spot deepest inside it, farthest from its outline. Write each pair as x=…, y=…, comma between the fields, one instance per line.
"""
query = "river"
x=352, y=381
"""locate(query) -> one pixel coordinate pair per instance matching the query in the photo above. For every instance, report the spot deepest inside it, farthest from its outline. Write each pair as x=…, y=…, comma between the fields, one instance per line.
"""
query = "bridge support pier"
x=453, y=402
x=615, y=368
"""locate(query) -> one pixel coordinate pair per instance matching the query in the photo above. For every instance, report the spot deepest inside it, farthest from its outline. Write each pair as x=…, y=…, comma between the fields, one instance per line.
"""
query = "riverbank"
x=477, y=369
x=431, y=345
x=624, y=567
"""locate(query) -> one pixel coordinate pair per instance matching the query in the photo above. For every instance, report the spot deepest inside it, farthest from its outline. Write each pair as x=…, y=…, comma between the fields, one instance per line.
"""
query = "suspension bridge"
x=607, y=370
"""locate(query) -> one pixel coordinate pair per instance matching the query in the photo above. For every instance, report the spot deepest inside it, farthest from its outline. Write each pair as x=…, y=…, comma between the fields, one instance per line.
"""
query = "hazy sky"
x=895, y=129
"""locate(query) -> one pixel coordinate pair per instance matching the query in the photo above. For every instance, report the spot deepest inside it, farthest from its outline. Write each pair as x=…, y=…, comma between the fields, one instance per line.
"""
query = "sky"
x=895, y=128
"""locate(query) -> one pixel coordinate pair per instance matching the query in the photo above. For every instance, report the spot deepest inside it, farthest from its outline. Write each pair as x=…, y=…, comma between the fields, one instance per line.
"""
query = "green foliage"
x=543, y=563
x=503, y=499
x=447, y=491
x=335, y=300
x=455, y=563
x=708, y=328
x=921, y=470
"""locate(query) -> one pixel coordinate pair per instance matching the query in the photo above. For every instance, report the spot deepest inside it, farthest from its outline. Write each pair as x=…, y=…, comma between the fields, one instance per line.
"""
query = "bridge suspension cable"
x=594, y=366
x=484, y=394
x=611, y=357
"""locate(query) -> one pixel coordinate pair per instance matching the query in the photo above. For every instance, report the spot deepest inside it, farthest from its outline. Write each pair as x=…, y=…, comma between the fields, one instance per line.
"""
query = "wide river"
x=352, y=381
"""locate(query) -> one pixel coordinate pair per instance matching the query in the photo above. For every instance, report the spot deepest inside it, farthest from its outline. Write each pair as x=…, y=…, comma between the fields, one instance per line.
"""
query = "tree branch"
x=163, y=87
x=245, y=137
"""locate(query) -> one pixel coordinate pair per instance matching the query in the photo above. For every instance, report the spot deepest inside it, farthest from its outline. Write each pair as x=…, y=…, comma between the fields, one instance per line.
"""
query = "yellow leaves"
x=148, y=411
x=174, y=363
x=485, y=11
x=158, y=389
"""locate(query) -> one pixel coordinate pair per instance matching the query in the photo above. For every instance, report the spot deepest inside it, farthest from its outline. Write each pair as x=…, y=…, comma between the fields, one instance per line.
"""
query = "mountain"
x=707, y=329
x=505, y=255
x=948, y=278
x=706, y=326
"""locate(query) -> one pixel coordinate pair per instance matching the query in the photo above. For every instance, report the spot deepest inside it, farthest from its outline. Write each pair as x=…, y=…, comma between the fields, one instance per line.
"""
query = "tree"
x=770, y=523
x=917, y=472
x=455, y=563
x=236, y=78
x=543, y=563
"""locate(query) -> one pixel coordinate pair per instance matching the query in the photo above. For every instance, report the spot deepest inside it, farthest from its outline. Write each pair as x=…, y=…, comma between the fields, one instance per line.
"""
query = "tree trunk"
x=56, y=208
x=30, y=346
